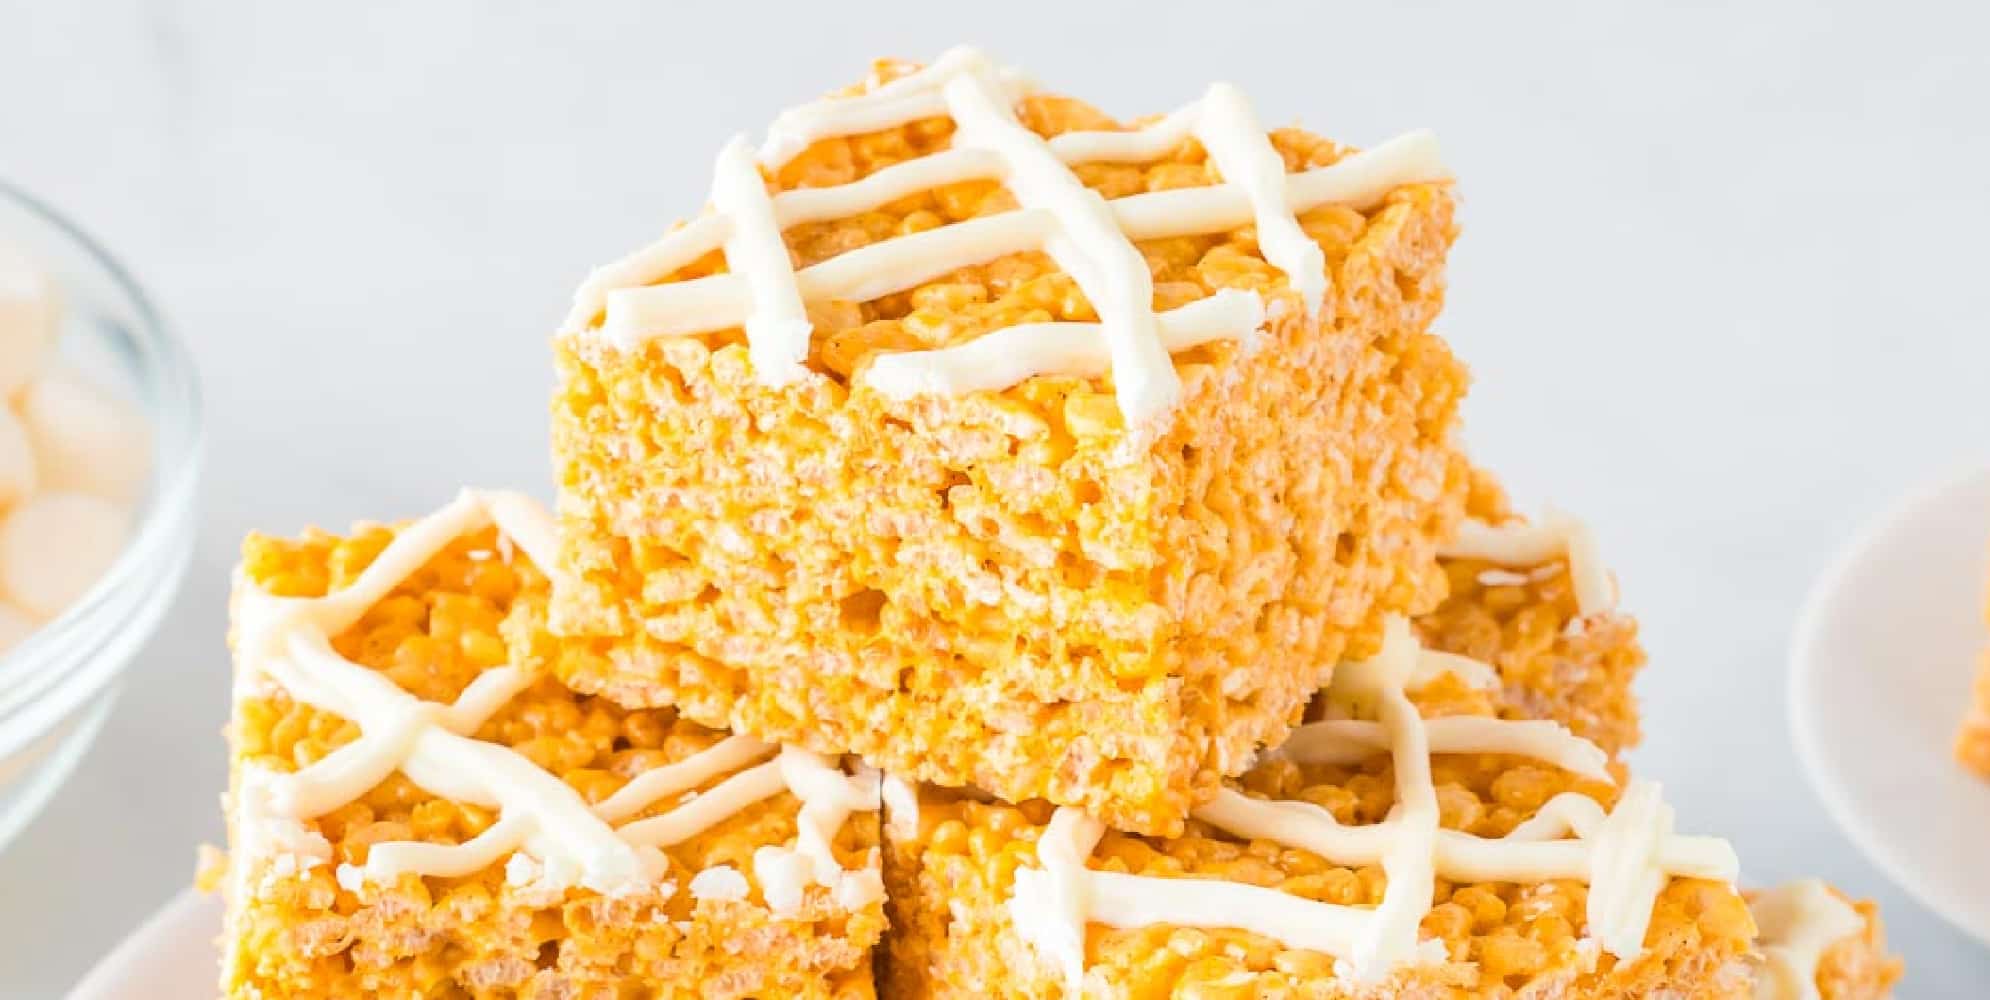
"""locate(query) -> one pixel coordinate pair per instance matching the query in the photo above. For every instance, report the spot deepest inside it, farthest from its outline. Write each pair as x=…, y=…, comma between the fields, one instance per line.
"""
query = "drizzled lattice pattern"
x=1625, y=855
x=1090, y=238
x=552, y=837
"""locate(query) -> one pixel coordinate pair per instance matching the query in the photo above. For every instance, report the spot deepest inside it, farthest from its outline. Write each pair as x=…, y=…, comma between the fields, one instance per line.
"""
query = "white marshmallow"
x=85, y=439
x=15, y=625
x=30, y=311
x=54, y=546
x=17, y=461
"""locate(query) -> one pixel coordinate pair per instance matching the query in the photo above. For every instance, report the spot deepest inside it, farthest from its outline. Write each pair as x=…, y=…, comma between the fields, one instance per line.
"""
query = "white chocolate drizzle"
x=828, y=798
x=901, y=807
x=1556, y=536
x=1012, y=354
x=777, y=329
x=1796, y=924
x=1389, y=935
x=554, y=838
x=1087, y=243
x=1351, y=741
x=1229, y=130
x=1432, y=664
x=909, y=98
x=1625, y=855
x=1091, y=238
x=1051, y=904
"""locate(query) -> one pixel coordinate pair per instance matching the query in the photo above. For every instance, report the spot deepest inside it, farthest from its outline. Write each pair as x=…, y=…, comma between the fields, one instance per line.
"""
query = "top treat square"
x=1005, y=445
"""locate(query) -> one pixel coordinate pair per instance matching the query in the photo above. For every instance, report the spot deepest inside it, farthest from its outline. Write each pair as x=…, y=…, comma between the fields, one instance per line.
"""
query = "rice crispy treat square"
x=1972, y=741
x=952, y=858
x=1016, y=588
x=338, y=885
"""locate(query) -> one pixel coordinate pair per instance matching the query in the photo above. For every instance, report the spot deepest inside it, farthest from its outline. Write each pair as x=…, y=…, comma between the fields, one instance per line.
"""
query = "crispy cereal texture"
x=292, y=935
x=1008, y=589
x=1519, y=621
x=1972, y=742
x=1860, y=967
x=949, y=868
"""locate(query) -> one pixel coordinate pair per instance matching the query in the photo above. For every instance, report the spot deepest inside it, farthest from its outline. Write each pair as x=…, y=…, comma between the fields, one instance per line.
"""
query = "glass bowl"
x=58, y=684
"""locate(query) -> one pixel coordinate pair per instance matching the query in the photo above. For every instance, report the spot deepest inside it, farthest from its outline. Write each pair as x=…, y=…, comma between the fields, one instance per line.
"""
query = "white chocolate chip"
x=54, y=546
x=30, y=310
x=721, y=884
x=84, y=439
x=17, y=461
x=784, y=877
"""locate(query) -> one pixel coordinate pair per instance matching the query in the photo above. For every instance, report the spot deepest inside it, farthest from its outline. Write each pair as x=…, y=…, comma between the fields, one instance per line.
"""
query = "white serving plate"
x=170, y=957
x=1881, y=666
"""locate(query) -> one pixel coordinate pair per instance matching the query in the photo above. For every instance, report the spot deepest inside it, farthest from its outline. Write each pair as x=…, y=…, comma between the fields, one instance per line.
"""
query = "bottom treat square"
x=417, y=810
x=1452, y=823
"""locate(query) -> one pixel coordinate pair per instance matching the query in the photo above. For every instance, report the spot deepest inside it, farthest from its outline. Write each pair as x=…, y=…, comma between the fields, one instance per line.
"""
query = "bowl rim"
x=169, y=383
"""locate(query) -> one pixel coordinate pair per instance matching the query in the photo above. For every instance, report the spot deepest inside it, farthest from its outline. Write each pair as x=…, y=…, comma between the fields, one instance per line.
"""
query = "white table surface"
x=1722, y=281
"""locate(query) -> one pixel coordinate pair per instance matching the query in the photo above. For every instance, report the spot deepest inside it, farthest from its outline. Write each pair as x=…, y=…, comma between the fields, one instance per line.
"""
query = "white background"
x=1722, y=283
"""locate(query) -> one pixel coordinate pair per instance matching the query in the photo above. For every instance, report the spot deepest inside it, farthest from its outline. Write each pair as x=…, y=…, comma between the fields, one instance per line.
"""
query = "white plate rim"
x=186, y=927
x=1807, y=730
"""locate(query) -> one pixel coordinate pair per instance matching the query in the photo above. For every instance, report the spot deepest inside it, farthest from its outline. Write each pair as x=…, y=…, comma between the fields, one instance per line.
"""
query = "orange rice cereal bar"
x=1817, y=944
x=1410, y=843
x=1513, y=641
x=1972, y=741
x=417, y=808
x=1523, y=618
x=1495, y=648
x=1004, y=444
